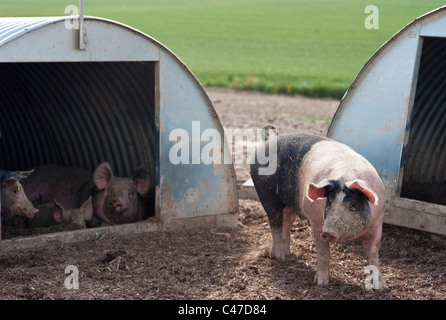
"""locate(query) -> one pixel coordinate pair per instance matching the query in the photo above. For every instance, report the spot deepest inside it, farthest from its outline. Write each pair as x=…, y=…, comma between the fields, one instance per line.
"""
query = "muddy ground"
x=231, y=264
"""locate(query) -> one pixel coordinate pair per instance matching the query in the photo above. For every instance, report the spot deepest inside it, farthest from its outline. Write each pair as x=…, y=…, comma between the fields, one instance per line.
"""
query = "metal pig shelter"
x=395, y=115
x=108, y=92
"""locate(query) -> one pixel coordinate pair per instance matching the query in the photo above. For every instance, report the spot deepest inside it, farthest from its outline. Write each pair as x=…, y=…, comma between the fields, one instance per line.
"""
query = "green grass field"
x=312, y=47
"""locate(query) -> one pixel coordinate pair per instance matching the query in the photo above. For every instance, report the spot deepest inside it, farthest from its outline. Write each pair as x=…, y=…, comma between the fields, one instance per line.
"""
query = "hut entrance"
x=424, y=171
x=80, y=114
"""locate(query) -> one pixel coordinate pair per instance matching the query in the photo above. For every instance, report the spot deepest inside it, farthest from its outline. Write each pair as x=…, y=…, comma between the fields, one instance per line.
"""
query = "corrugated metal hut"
x=395, y=115
x=107, y=92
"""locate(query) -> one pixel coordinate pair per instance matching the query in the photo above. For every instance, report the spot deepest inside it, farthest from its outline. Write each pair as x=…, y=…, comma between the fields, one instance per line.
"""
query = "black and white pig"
x=328, y=183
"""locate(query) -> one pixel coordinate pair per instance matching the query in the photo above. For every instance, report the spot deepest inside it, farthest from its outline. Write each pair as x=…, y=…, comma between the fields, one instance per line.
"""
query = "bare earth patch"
x=231, y=264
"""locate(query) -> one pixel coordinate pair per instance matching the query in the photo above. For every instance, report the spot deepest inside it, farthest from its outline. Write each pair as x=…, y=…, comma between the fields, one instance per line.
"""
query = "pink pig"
x=121, y=200
x=115, y=200
x=14, y=200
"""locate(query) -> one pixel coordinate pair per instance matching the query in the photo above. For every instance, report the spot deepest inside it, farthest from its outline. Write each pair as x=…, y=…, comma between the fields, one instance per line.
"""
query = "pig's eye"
x=352, y=205
x=131, y=194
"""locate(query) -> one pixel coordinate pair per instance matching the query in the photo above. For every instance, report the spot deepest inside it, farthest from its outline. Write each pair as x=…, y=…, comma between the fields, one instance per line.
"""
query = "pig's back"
x=69, y=186
x=292, y=149
x=330, y=159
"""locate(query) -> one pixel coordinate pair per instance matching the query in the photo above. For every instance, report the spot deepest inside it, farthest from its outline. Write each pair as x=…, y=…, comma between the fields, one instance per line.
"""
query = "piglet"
x=328, y=183
x=13, y=197
x=120, y=200
x=52, y=213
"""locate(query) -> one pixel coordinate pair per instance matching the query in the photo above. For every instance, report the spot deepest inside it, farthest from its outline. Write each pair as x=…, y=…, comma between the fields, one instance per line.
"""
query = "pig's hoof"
x=280, y=253
x=280, y=256
x=381, y=285
x=377, y=285
x=322, y=279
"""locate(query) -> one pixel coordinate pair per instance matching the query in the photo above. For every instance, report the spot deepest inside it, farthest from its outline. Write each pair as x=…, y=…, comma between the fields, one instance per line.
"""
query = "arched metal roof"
x=394, y=115
x=117, y=101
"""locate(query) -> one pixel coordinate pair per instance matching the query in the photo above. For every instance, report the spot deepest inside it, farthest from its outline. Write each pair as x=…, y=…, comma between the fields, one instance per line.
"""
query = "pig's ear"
x=316, y=191
x=14, y=176
x=141, y=181
x=103, y=176
x=25, y=174
x=87, y=209
x=57, y=212
x=363, y=187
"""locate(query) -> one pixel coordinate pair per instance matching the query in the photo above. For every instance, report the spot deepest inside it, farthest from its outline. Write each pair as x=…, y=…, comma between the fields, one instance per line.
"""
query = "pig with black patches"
x=14, y=200
x=328, y=183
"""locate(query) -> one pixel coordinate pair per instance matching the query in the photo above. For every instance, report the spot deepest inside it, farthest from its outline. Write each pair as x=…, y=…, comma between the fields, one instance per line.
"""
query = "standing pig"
x=52, y=213
x=120, y=200
x=13, y=197
x=328, y=183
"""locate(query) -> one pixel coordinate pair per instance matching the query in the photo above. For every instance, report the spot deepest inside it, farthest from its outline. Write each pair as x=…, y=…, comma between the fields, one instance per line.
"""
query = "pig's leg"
x=371, y=245
x=274, y=209
x=281, y=247
x=323, y=259
x=288, y=218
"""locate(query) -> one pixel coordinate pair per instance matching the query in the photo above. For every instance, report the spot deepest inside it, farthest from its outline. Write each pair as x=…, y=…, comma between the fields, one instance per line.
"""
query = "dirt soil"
x=231, y=263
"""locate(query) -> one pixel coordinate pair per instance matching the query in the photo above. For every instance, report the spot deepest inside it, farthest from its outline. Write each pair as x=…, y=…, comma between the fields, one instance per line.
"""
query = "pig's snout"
x=31, y=212
x=118, y=206
x=329, y=237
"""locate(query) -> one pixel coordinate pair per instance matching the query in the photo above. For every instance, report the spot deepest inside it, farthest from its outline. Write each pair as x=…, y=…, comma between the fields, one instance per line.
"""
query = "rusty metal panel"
x=194, y=188
x=117, y=101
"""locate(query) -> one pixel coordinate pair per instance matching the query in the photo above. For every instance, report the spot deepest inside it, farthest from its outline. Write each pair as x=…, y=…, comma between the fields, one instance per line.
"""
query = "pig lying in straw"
x=51, y=213
x=120, y=200
x=13, y=197
x=115, y=200
x=328, y=183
